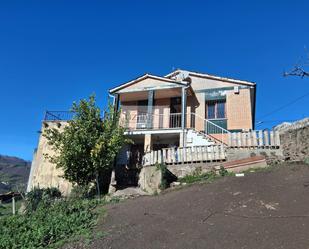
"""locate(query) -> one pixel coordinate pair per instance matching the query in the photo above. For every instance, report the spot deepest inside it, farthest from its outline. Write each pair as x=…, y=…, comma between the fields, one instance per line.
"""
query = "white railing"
x=210, y=129
x=185, y=155
x=260, y=139
x=151, y=121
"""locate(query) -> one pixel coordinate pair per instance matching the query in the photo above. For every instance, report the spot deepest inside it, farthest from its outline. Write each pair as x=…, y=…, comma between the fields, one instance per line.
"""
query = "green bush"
x=82, y=192
x=41, y=196
x=47, y=225
x=223, y=171
x=198, y=176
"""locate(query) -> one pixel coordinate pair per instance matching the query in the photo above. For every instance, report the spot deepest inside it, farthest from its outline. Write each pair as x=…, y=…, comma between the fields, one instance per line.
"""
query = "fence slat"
x=254, y=139
x=272, y=141
x=277, y=138
x=260, y=137
x=266, y=138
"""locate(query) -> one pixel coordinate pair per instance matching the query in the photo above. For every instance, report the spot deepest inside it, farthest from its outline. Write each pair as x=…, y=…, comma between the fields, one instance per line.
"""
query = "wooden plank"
x=190, y=154
x=249, y=139
x=254, y=139
x=199, y=154
x=272, y=139
x=260, y=138
x=160, y=156
x=222, y=157
x=230, y=140
x=155, y=157
x=243, y=139
x=213, y=156
x=203, y=153
x=164, y=156
x=179, y=151
x=266, y=138
x=277, y=138
x=173, y=155
x=184, y=151
x=239, y=139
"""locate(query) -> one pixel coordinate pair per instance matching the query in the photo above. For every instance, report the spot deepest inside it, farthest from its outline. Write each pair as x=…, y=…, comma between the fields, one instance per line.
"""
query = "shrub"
x=166, y=176
x=41, y=196
x=48, y=225
x=223, y=171
x=81, y=192
x=198, y=176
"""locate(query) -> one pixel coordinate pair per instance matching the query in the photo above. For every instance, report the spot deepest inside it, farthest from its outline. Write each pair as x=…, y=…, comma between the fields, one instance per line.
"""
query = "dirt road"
x=261, y=210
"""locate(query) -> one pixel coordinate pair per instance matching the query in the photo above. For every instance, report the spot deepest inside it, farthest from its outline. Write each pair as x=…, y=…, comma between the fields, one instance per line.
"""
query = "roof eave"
x=209, y=76
x=145, y=76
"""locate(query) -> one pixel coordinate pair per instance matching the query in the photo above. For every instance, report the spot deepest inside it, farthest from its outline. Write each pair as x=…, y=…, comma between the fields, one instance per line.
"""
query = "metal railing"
x=210, y=129
x=58, y=115
x=150, y=121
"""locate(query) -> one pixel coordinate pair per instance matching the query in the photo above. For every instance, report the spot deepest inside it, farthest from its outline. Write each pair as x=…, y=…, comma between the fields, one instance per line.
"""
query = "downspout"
x=184, y=112
x=254, y=108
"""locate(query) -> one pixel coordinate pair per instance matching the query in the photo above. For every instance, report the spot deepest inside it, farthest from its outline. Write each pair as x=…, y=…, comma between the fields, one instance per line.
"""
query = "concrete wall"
x=43, y=173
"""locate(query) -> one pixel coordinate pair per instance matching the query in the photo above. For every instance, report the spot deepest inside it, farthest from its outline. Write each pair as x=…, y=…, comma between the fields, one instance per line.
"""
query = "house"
x=185, y=120
x=181, y=110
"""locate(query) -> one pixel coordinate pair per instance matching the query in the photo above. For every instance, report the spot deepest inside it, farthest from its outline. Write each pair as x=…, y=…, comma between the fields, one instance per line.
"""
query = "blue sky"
x=55, y=52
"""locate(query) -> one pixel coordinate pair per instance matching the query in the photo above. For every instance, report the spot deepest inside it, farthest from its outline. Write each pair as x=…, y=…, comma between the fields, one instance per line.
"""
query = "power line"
x=285, y=105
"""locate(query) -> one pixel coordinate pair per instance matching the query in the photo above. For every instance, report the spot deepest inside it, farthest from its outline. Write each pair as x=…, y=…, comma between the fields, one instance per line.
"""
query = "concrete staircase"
x=195, y=138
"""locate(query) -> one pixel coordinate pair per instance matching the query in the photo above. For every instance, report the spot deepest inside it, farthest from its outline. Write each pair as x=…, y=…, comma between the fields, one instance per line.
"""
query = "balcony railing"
x=151, y=121
x=58, y=115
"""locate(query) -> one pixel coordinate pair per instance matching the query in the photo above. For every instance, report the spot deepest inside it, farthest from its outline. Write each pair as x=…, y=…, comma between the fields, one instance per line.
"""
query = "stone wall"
x=295, y=143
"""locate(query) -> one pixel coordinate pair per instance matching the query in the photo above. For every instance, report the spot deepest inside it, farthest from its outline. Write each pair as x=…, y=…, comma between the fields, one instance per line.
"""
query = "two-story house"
x=182, y=109
x=182, y=118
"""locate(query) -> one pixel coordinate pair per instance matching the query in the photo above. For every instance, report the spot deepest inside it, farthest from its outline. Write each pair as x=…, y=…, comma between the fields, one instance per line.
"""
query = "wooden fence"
x=259, y=139
x=185, y=155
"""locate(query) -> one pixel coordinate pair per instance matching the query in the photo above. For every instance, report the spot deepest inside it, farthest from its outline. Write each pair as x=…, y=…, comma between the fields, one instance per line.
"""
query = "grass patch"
x=199, y=176
x=50, y=226
x=6, y=208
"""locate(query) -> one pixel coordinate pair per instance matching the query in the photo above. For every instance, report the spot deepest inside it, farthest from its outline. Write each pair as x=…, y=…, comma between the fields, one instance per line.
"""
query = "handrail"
x=213, y=131
x=212, y=123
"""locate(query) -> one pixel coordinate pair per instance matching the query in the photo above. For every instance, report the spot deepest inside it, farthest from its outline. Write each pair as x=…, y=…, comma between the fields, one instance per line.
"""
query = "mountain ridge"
x=14, y=173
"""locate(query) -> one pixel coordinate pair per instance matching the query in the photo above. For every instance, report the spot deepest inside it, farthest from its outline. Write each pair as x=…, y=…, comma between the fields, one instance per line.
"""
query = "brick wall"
x=238, y=110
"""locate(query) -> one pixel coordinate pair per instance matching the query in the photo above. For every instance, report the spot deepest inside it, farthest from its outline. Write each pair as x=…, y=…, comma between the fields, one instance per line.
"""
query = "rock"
x=129, y=192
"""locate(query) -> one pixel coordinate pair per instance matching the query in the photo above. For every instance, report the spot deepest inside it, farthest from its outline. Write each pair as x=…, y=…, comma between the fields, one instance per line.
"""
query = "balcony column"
x=183, y=115
x=150, y=108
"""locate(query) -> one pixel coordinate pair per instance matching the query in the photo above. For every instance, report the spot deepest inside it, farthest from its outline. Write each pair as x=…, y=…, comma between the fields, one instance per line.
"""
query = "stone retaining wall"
x=295, y=143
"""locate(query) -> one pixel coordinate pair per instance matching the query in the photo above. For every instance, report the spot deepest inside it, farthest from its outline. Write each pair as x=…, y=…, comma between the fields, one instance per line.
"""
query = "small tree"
x=88, y=145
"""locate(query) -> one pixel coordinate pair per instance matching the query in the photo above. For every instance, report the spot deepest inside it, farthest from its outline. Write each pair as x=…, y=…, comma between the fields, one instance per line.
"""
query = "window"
x=215, y=109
